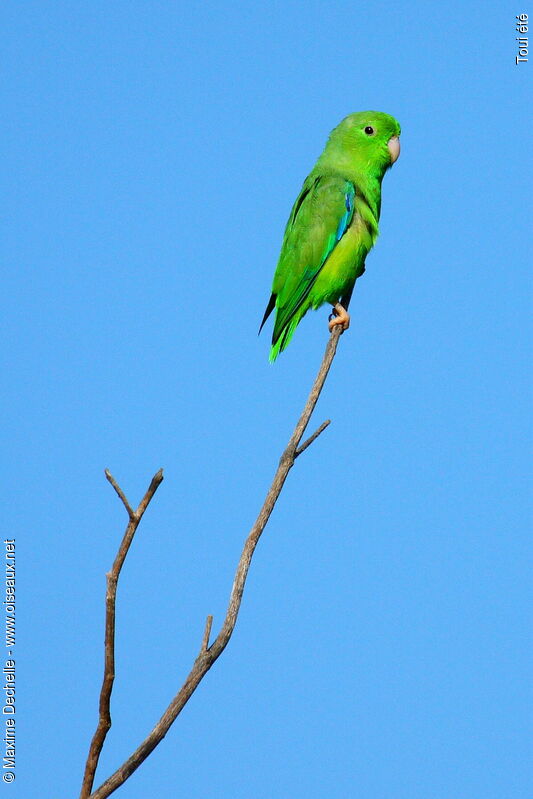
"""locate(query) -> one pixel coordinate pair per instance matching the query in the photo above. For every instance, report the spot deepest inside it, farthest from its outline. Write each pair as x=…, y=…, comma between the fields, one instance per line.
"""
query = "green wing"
x=318, y=220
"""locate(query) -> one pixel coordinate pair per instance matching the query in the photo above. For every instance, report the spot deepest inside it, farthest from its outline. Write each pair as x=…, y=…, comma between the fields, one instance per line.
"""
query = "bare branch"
x=310, y=440
x=207, y=633
x=120, y=492
x=104, y=720
x=209, y=654
x=157, y=479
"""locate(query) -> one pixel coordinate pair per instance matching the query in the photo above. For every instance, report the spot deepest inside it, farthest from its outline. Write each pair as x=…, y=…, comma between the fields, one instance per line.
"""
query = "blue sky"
x=152, y=154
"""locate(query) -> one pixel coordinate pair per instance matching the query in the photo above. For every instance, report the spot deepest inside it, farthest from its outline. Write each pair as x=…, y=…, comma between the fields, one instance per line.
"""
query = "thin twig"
x=207, y=633
x=120, y=492
x=309, y=441
x=209, y=654
x=104, y=716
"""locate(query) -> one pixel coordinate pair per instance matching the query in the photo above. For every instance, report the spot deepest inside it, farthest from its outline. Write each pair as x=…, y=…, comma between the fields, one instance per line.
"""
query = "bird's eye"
x=369, y=130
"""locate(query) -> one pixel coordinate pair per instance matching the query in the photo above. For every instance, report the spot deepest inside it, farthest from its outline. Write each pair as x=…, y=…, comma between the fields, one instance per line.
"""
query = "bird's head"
x=369, y=140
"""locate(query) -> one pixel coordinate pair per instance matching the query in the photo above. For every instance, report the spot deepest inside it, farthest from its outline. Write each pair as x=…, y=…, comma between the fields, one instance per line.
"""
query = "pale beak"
x=394, y=148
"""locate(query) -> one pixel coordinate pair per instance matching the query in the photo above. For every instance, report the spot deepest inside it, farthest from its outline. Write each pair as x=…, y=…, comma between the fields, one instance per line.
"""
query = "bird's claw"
x=340, y=316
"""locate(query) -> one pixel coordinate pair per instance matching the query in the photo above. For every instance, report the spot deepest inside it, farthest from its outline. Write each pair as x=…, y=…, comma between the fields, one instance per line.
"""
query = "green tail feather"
x=284, y=338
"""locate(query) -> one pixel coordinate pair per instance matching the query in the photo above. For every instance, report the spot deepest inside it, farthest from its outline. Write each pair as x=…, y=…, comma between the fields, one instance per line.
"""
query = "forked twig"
x=104, y=718
x=207, y=654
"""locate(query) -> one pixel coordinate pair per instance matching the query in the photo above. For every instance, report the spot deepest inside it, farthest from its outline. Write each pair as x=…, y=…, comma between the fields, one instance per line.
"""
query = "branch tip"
x=120, y=493
x=309, y=441
x=207, y=633
x=158, y=476
x=155, y=482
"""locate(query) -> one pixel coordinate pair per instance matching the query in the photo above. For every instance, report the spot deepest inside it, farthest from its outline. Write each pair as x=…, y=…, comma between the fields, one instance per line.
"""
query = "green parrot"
x=333, y=224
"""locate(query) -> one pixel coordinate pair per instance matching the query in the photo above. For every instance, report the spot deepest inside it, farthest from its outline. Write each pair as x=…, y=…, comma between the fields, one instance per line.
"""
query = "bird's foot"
x=340, y=316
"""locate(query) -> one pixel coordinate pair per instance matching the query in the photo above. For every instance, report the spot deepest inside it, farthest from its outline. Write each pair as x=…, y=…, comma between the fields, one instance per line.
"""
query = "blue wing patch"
x=347, y=216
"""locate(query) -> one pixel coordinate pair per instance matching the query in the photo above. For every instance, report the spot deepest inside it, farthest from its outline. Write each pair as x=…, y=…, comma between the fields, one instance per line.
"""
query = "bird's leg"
x=340, y=316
